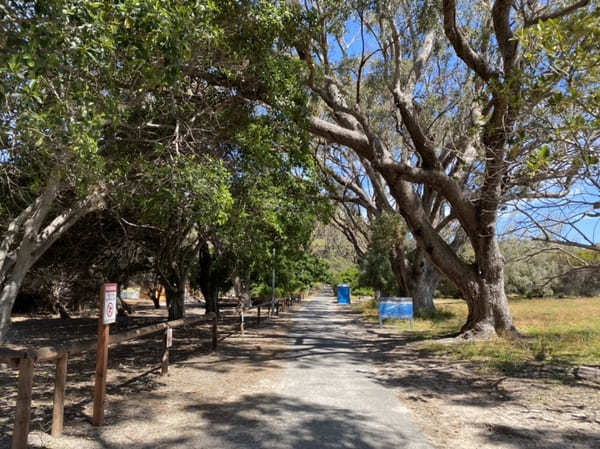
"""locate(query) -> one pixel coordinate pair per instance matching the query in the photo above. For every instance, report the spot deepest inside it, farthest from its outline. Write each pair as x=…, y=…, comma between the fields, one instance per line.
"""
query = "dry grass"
x=556, y=331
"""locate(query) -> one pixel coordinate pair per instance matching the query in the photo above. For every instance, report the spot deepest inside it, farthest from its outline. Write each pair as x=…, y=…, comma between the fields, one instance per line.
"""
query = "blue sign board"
x=343, y=291
x=395, y=308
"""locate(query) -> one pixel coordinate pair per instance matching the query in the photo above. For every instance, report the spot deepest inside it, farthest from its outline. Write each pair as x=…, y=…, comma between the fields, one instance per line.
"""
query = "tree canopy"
x=216, y=134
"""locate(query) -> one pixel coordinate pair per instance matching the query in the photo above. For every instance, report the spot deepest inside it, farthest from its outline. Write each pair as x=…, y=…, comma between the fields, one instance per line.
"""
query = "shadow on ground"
x=133, y=365
x=242, y=423
x=249, y=423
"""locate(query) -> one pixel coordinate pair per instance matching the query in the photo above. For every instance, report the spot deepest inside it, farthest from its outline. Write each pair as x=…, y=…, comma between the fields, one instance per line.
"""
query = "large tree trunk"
x=423, y=282
x=175, y=293
x=427, y=278
x=486, y=299
x=418, y=279
x=481, y=283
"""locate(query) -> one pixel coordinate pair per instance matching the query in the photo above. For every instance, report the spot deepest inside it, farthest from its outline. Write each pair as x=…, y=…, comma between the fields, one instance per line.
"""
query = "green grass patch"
x=555, y=331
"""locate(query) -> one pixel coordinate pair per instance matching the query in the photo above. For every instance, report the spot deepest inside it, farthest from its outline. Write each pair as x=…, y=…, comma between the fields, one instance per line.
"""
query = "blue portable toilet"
x=343, y=291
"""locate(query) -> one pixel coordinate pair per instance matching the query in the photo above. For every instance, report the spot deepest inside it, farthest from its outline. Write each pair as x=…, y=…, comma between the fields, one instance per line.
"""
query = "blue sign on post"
x=343, y=291
x=395, y=308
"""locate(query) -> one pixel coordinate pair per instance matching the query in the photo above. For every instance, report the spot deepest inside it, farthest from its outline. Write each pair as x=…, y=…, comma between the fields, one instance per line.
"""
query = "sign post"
x=108, y=315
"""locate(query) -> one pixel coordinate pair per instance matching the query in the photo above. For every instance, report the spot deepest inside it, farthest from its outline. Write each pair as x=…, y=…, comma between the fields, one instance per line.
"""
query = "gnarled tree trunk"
x=425, y=283
x=175, y=293
x=418, y=279
x=485, y=296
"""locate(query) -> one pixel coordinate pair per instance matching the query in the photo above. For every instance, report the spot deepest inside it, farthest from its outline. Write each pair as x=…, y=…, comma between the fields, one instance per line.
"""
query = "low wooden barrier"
x=274, y=307
x=24, y=359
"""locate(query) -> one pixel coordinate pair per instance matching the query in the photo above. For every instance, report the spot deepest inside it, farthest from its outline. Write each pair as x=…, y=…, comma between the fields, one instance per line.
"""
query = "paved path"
x=327, y=396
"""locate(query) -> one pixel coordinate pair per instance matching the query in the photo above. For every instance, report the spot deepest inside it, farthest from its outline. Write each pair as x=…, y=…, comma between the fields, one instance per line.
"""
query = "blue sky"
x=588, y=226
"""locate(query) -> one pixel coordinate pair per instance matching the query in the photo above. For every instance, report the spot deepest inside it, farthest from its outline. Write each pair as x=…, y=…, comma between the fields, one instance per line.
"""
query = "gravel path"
x=313, y=386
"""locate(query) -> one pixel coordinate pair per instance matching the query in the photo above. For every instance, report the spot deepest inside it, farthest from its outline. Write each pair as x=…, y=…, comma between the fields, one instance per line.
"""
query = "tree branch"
x=561, y=12
x=462, y=48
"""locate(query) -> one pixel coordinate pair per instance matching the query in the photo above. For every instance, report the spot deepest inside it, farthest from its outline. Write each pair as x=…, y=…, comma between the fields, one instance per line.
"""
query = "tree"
x=566, y=51
x=57, y=75
x=460, y=91
x=367, y=208
x=85, y=92
x=173, y=205
x=275, y=206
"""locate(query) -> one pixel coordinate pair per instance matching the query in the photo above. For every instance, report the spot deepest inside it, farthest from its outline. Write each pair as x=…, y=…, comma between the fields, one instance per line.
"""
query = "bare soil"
x=140, y=404
x=460, y=406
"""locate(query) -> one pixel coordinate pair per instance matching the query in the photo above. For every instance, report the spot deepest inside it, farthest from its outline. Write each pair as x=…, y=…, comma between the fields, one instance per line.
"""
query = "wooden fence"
x=273, y=307
x=24, y=359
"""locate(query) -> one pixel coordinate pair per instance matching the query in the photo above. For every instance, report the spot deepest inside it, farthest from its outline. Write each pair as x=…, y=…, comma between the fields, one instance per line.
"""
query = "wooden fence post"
x=164, y=360
x=214, y=332
x=60, y=382
x=23, y=413
x=107, y=292
x=242, y=320
x=101, y=372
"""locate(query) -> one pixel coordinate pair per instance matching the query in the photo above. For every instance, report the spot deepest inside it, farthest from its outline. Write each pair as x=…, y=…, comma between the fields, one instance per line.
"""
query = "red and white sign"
x=109, y=314
x=169, y=337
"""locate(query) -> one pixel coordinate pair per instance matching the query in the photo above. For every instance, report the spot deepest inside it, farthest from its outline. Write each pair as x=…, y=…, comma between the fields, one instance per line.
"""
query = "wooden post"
x=258, y=317
x=164, y=360
x=60, y=382
x=242, y=320
x=214, y=333
x=101, y=360
x=23, y=413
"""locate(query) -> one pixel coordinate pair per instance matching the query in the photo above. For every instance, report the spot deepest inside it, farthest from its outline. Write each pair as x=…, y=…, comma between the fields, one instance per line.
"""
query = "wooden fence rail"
x=25, y=359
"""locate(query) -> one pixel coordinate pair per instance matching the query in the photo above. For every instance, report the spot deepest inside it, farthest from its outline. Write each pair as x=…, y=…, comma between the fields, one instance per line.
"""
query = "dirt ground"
x=458, y=406
x=455, y=404
x=134, y=373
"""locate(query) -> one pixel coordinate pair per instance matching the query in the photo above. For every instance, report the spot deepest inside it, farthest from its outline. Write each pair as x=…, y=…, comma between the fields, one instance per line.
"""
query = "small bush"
x=363, y=291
